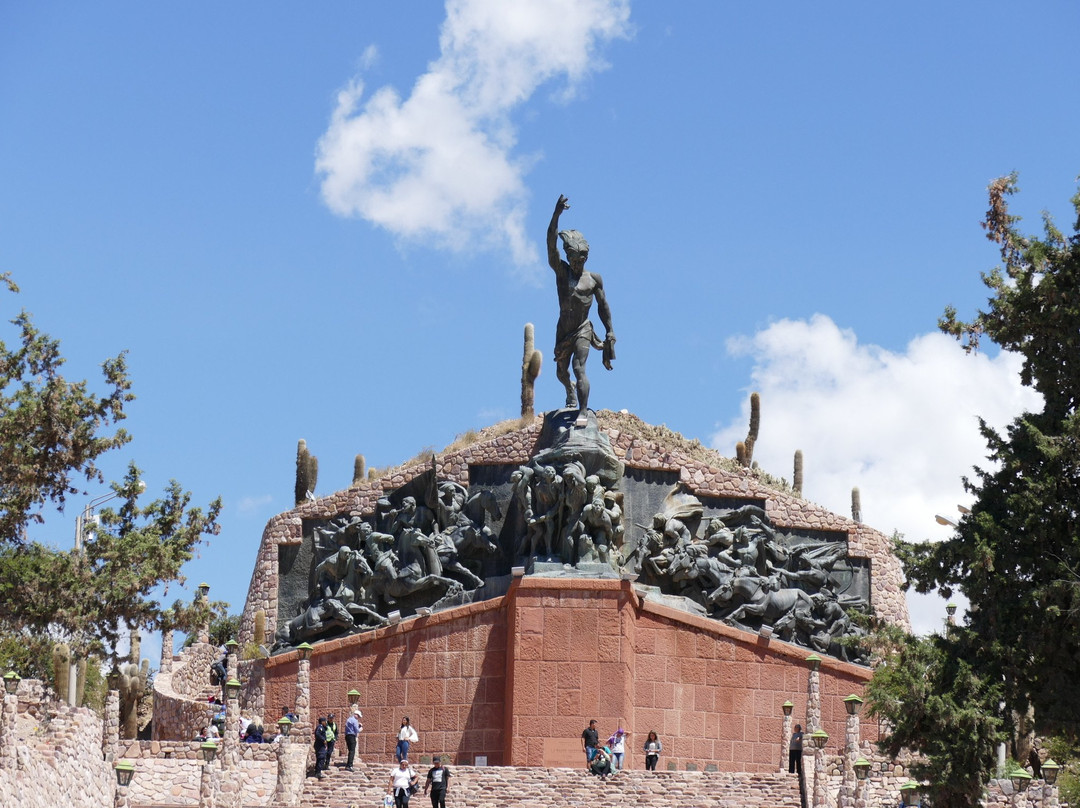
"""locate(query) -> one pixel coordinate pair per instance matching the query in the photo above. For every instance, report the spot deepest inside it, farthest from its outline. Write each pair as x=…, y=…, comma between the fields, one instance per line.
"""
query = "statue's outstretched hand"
x=562, y=204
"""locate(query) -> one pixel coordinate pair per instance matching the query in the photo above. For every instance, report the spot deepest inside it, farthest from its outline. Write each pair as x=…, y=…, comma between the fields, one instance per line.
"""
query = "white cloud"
x=252, y=504
x=438, y=165
x=901, y=426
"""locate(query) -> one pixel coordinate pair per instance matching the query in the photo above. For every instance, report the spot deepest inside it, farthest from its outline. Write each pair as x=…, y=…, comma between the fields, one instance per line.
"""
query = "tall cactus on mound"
x=856, y=505
x=530, y=368
x=307, y=472
x=61, y=670
x=798, y=471
x=744, y=449
x=260, y=626
x=359, y=470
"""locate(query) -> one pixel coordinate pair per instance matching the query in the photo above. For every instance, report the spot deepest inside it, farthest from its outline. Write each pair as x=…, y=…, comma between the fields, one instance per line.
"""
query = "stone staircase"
x=514, y=787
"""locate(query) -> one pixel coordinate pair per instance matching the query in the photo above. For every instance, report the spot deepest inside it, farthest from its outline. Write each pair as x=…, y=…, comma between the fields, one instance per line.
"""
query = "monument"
x=581, y=545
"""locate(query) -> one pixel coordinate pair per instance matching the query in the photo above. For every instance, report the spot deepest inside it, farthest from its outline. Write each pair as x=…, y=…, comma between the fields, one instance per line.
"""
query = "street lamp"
x=853, y=704
x=284, y=726
x=209, y=751
x=787, y=707
x=304, y=650
x=862, y=769
x=1050, y=771
x=204, y=590
x=125, y=770
x=950, y=609
x=814, y=661
x=232, y=688
x=1020, y=780
x=909, y=793
x=819, y=738
x=231, y=646
x=11, y=682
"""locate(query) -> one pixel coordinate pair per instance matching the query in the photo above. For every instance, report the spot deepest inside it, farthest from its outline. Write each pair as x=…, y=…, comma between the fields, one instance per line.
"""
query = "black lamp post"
x=814, y=661
x=304, y=650
x=787, y=707
x=209, y=751
x=284, y=726
x=231, y=646
x=909, y=793
x=853, y=704
x=204, y=590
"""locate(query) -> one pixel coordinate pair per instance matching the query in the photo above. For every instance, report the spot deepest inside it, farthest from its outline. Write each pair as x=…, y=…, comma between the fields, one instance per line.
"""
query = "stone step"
x=498, y=787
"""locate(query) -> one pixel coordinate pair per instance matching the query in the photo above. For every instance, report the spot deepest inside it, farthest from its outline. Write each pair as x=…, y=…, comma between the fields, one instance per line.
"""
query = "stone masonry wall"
x=59, y=761
x=175, y=780
x=181, y=710
x=639, y=446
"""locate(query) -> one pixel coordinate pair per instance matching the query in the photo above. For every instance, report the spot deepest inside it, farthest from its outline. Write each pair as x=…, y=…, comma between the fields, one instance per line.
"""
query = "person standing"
x=352, y=729
x=438, y=780
x=617, y=744
x=402, y=779
x=590, y=739
x=795, y=752
x=653, y=748
x=320, y=746
x=331, y=739
x=406, y=736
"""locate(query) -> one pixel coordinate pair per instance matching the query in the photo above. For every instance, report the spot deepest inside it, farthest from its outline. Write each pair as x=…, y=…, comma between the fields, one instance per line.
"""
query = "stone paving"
x=518, y=787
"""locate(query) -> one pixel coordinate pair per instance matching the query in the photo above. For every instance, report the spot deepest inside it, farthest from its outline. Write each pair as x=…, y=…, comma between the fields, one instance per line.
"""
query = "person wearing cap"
x=352, y=729
x=438, y=780
x=402, y=780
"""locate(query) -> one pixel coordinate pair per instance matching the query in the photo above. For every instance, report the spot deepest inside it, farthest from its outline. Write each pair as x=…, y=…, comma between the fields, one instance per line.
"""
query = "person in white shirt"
x=402, y=779
x=406, y=736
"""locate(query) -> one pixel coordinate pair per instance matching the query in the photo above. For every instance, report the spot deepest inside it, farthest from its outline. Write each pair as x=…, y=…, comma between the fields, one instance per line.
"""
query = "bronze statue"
x=574, y=335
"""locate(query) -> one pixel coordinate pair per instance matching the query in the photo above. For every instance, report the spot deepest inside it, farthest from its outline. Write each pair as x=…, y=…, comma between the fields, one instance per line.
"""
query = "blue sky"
x=326, y=222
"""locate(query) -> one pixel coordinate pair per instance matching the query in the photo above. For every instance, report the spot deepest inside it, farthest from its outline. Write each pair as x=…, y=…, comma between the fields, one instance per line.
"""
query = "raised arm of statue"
x=553, y=233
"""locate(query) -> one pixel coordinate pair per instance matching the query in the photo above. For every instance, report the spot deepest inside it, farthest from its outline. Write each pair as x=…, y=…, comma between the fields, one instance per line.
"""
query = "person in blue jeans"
x=406, y=736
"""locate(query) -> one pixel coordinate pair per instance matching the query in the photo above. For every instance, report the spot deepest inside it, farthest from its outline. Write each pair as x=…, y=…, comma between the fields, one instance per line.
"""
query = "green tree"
x=51, y=430
x=1017, y=554
x=51, y=433
x=934, y=701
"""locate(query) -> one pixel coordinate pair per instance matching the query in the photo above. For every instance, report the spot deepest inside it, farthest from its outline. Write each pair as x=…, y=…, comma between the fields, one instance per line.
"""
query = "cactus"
x=530, y=368
x=307, y=472
x=260, y=626
x=136, y=645
x=856, y=505
x=359, y=470
x=61, y=670
x=80, y=681
x=131, y=684
x=797, y=475
x=744, y=450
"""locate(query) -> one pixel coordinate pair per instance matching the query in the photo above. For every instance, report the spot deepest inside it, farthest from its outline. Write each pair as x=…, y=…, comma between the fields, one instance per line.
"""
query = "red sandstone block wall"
x=446, y=672
x=518, y=678
x=715, y=697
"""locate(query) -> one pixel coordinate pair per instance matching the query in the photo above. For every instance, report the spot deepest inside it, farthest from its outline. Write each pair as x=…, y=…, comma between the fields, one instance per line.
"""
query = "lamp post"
x=862, y=781
x=813, y=695
x=819, y=738
x=125, y=770
x=785, y=735
x=853, y=706
x=1020, y=782
x=9, y=709
x=303, y=688
x=231, y=737
x=1050, y=771
x=207, y=786
x=909, y=793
